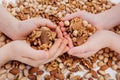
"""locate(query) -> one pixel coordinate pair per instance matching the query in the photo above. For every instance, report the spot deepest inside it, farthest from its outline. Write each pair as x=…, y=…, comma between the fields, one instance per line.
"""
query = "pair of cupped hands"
x=21, y=51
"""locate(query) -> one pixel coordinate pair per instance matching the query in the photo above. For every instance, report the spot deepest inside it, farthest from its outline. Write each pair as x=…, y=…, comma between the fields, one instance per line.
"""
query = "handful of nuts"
x=79, y=30
x=42, y=38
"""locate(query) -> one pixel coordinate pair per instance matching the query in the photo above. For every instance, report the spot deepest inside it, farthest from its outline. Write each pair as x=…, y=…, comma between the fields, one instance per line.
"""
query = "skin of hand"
x=103, y=20
x=97, y=41
x=16, y=29
x=21, y=51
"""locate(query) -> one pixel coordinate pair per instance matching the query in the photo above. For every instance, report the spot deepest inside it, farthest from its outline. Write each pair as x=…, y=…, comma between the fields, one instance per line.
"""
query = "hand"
x=21, y=51
x=97, y=41
x=16, y=29
x=23, y=28
x=94, y=19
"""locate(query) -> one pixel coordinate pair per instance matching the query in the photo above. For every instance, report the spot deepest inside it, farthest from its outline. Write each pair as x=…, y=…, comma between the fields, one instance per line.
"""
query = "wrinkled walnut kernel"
x=42, y=38
x=79, y=30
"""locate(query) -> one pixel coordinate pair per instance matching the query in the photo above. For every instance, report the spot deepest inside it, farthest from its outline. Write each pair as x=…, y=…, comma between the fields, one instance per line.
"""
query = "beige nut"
x=66, y=23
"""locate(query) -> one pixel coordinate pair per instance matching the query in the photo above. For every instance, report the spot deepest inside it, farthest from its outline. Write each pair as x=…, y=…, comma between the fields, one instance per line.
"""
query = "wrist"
x=8, y=23
x=106, y=38
x=11, y=29
x=101, y=21
x=5, y=55
x=115, y=40
x=14, y=31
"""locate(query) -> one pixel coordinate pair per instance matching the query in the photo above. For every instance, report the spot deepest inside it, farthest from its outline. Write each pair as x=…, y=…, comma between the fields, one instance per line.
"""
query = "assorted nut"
x=79, y=30
x=14, y=71
x=65, y=66
x=42, y=38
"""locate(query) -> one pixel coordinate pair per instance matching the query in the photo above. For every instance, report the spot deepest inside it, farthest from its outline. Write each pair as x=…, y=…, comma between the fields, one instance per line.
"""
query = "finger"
x=66, y=49
x=71, y=16
x=65, y=33
x=30, y=61
x=45, y=22
x=62, y=29
x=84, y=50
x=60, y=49
x=32, y=53
x=84, y=54
x=61, y=24
x=54, y=48
x=59, y=33
x=81, y=14
x=70, y=44
x=79, y=49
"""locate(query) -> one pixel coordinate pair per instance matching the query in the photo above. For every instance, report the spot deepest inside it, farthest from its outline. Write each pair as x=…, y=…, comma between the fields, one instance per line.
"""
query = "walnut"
x=79, y=30
x=42, y=38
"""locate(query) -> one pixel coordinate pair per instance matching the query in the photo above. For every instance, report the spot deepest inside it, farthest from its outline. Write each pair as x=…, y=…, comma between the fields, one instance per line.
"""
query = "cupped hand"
x=93, y=19
x=24, y=28
x=97, y=41
x=21, y=51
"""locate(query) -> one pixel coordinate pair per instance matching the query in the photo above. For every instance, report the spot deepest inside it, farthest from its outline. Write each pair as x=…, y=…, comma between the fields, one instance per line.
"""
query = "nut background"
x=72, y=66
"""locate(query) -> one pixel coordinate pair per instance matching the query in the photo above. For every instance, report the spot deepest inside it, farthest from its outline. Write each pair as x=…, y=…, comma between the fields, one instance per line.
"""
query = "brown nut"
x=14, y=71
x=33, y=70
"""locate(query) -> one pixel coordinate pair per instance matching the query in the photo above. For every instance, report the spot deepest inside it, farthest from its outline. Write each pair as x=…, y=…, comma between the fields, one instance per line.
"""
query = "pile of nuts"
x=79, y=30
x=65, y=67
x=42, y=38
x=3, y=39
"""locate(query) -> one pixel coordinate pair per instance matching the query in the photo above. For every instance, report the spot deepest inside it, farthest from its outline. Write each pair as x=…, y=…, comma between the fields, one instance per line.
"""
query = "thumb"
x=82, y=51
x=81, y=14
x=46, y=22
x=41, y=22
x=70, y=16
x=33, y=53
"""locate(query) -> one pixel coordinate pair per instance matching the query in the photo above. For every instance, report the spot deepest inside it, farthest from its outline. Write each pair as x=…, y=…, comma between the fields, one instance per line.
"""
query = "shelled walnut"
x=42, y=38
x=79, y=30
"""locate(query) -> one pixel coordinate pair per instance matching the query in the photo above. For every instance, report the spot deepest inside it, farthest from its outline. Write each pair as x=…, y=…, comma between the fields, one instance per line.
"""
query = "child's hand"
x=97, y=41
x=21, y=51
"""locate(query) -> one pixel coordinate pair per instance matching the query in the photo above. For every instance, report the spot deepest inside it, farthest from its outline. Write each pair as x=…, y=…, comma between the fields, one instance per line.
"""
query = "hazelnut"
x=66, y=23
x=75, y=33
x=85, y=23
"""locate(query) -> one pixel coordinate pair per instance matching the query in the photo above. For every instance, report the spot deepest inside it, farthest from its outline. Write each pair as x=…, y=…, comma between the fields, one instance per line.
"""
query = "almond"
x=94, y=74
x=104, y=67
x=39, y=72
x=33, y=70
x=94, y=59
x=14, y=71
x=32, y=77
x=101, y=72
x=90, y=79
x=109, y=63
x=59, y=76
